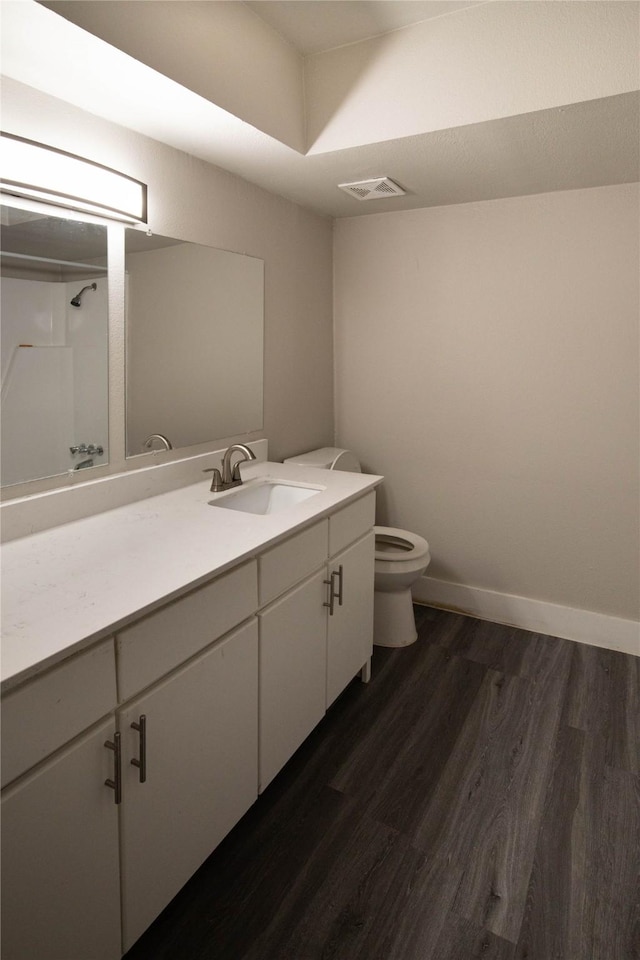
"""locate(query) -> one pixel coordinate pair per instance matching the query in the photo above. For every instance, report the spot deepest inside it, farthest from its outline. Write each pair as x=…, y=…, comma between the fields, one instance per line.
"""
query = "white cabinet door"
x=350, y=629
x=60, y=871
x=201, y=776
x=293, y=660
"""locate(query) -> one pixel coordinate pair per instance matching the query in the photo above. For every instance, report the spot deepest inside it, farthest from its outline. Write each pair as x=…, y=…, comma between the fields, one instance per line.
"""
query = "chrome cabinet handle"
x=141, y=761
x=340, y=575
x=332, y=595
x=116, y=783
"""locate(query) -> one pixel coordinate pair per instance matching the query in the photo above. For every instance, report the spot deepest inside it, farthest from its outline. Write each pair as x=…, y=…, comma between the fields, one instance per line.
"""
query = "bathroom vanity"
x=162, y=661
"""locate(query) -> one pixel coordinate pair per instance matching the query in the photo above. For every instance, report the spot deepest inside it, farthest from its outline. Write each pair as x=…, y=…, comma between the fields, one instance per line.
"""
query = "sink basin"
x=269, y=496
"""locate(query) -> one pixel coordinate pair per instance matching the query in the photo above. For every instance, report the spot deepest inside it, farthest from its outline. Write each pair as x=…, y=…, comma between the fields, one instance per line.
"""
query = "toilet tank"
x=328, y=458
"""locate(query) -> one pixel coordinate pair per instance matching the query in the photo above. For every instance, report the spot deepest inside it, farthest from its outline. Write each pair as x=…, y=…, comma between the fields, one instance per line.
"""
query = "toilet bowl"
x=401, y=558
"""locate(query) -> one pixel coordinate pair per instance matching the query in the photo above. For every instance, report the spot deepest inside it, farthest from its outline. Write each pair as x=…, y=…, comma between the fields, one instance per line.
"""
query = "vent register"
x=373, y=189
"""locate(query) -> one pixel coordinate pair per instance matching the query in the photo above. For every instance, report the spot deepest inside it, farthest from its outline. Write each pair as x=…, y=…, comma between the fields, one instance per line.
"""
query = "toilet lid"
x=394, y=544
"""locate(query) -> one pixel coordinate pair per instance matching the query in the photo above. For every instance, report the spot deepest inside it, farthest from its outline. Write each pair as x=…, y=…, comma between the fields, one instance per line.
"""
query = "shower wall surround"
x=54, y=377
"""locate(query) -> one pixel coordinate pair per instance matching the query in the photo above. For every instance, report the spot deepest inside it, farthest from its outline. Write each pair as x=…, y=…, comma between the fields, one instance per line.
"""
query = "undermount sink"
x=268, y=496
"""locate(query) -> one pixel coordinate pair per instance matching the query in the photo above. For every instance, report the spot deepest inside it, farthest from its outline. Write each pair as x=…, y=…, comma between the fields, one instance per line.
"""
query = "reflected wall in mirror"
x=194, y=360
x=54, y=345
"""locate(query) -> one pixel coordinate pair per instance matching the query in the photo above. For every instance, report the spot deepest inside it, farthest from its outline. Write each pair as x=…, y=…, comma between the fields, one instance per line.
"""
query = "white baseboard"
x=585, y=626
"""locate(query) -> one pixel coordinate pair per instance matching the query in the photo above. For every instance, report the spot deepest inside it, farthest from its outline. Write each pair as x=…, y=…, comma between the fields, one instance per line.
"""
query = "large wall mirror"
x=54, y=345
x=194, y=342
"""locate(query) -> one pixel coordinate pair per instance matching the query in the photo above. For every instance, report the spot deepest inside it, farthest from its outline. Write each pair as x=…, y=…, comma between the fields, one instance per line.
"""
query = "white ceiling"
x=312, y=26
x=489, y=120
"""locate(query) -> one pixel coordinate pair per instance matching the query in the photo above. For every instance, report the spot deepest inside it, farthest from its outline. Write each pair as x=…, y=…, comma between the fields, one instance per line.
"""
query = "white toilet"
x=400, y=559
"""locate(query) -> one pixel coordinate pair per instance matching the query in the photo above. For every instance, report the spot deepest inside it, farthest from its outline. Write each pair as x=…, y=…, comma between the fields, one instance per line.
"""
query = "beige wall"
x=193, y=200
x=487, y=365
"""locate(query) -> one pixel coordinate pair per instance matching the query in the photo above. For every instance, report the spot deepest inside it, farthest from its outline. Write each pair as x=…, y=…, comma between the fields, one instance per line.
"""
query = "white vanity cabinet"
x=60, y=863
x=75, y=850
x=293, y=657
x=317, y=635
x=189, y=726
x=350, y=627
x=351, y=576
x=196, y=776
x=206, y=697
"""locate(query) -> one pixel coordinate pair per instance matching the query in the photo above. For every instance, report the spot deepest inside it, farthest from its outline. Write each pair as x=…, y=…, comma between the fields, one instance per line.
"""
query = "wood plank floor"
x=479, y=798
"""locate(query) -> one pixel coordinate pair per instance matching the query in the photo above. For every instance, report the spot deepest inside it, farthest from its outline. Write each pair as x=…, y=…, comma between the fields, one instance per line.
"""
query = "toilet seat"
x=401, y=558
x=399, y=545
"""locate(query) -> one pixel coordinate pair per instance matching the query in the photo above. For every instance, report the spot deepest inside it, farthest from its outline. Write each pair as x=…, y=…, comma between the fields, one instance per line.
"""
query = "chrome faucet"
x=148, y=443
x=229, y=477
x=91, y=448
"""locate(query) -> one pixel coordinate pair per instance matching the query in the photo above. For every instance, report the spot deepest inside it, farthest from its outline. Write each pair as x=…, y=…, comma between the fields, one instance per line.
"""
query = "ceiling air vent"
x=373, y=189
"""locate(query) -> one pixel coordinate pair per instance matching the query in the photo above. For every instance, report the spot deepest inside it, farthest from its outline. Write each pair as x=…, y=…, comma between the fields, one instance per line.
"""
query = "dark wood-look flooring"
x=479, y=798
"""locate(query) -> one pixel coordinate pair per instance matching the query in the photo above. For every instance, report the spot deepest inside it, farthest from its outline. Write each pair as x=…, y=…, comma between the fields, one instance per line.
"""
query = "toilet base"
x=394, y=624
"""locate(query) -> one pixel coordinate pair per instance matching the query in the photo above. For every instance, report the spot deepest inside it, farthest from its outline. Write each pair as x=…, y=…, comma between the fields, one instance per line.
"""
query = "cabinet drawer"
x=291, y=561
x=351, y=522
x=44, y=713
x=162, y=641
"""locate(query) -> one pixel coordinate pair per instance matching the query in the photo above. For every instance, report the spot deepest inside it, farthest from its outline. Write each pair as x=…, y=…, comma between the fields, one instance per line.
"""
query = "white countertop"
x=67, y=587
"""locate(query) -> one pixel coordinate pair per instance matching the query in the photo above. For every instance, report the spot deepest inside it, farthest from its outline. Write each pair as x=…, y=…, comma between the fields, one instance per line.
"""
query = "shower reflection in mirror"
x=54, y=328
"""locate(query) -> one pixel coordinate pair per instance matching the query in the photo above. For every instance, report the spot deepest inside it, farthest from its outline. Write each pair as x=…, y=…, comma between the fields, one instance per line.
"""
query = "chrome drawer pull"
x=116, y=783
x=141, y=762
x=340, y=577
x=332, y=595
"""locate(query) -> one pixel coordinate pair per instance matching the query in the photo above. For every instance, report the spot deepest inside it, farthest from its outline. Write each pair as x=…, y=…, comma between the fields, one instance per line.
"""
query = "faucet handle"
x=216, y=479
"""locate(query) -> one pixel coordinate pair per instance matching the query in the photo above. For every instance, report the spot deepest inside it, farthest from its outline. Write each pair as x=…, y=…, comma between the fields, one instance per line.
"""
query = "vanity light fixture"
x=39, y=172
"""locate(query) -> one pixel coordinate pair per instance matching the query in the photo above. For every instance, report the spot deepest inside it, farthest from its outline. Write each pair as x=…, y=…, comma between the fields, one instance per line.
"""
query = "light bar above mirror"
x=39, y=172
